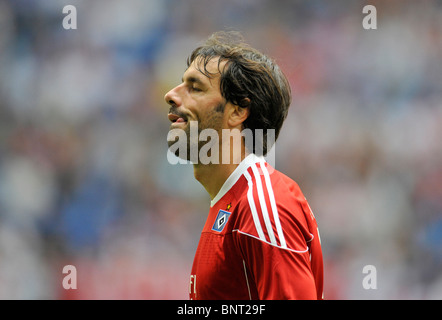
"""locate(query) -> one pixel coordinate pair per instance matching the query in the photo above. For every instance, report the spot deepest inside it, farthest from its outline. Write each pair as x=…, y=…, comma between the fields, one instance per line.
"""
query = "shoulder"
x=273, y=209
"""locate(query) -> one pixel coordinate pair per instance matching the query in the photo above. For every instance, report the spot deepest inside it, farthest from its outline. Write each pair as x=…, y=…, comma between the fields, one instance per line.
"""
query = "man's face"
x=197, y=98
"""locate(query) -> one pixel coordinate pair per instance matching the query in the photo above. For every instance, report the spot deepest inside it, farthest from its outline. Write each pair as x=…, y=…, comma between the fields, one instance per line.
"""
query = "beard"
x=191, y=134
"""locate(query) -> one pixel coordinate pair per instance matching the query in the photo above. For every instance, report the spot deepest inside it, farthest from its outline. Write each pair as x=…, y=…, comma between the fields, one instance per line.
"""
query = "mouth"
x=176, y=117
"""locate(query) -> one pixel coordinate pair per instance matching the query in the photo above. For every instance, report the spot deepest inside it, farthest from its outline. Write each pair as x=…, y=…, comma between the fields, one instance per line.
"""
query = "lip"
x=174, y=118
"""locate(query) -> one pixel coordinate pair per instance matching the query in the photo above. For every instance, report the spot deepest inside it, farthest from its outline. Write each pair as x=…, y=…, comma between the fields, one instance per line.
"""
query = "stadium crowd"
x=84, y=179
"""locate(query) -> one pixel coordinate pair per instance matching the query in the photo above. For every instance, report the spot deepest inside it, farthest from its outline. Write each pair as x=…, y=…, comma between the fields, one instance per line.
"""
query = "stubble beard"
x=212, y=121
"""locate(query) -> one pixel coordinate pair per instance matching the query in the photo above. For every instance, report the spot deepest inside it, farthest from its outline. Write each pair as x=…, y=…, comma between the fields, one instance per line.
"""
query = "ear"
x=238, y=113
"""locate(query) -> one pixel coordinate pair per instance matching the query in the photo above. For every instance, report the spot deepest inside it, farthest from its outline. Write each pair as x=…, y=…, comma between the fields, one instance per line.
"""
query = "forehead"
x=204, y=72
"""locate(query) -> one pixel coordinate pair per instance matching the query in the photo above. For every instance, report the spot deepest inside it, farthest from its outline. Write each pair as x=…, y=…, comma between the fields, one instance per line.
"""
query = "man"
x=260, y=240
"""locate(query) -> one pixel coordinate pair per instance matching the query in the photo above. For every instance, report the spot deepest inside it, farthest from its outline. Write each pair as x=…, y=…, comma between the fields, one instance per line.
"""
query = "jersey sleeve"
x=279, y=243
x=288, y=276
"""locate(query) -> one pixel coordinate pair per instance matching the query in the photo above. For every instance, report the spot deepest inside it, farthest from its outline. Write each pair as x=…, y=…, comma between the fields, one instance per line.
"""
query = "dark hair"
x=249, y=79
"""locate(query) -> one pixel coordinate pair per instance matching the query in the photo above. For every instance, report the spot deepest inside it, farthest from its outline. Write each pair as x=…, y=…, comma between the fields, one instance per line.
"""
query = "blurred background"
x=84, y=178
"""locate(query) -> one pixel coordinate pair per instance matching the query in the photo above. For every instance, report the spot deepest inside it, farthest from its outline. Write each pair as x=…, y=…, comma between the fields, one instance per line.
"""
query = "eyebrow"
x=193, y=79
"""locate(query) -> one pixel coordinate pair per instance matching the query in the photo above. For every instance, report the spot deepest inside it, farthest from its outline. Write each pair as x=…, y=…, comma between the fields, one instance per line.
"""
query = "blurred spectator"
x=84, y=178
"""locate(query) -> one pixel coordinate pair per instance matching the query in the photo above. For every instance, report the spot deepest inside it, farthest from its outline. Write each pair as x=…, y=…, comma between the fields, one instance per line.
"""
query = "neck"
x=212, y=176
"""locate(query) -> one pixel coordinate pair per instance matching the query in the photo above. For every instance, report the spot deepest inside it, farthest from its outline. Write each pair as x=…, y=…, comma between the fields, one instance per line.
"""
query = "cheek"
x=213, y=119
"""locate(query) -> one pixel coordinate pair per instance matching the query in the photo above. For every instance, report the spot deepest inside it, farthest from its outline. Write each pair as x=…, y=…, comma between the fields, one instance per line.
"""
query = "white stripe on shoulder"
x=273, y=205
x=262, y=201
x=253, y=207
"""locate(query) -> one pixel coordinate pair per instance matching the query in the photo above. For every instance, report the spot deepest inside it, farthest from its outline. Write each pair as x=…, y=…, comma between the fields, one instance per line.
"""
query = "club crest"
x=221, y=220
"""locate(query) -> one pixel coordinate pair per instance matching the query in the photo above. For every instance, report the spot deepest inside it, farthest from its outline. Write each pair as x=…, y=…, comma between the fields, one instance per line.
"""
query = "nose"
x=173, y=98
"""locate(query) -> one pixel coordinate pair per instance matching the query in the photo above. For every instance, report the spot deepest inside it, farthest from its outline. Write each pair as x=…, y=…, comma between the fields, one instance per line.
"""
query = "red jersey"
x=260, y=240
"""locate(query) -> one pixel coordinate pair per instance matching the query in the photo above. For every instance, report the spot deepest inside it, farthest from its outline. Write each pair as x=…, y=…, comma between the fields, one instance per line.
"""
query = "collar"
x=236, y=174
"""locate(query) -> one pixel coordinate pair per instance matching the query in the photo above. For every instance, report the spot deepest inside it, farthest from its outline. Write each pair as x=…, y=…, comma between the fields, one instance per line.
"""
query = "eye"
x=196, y=89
